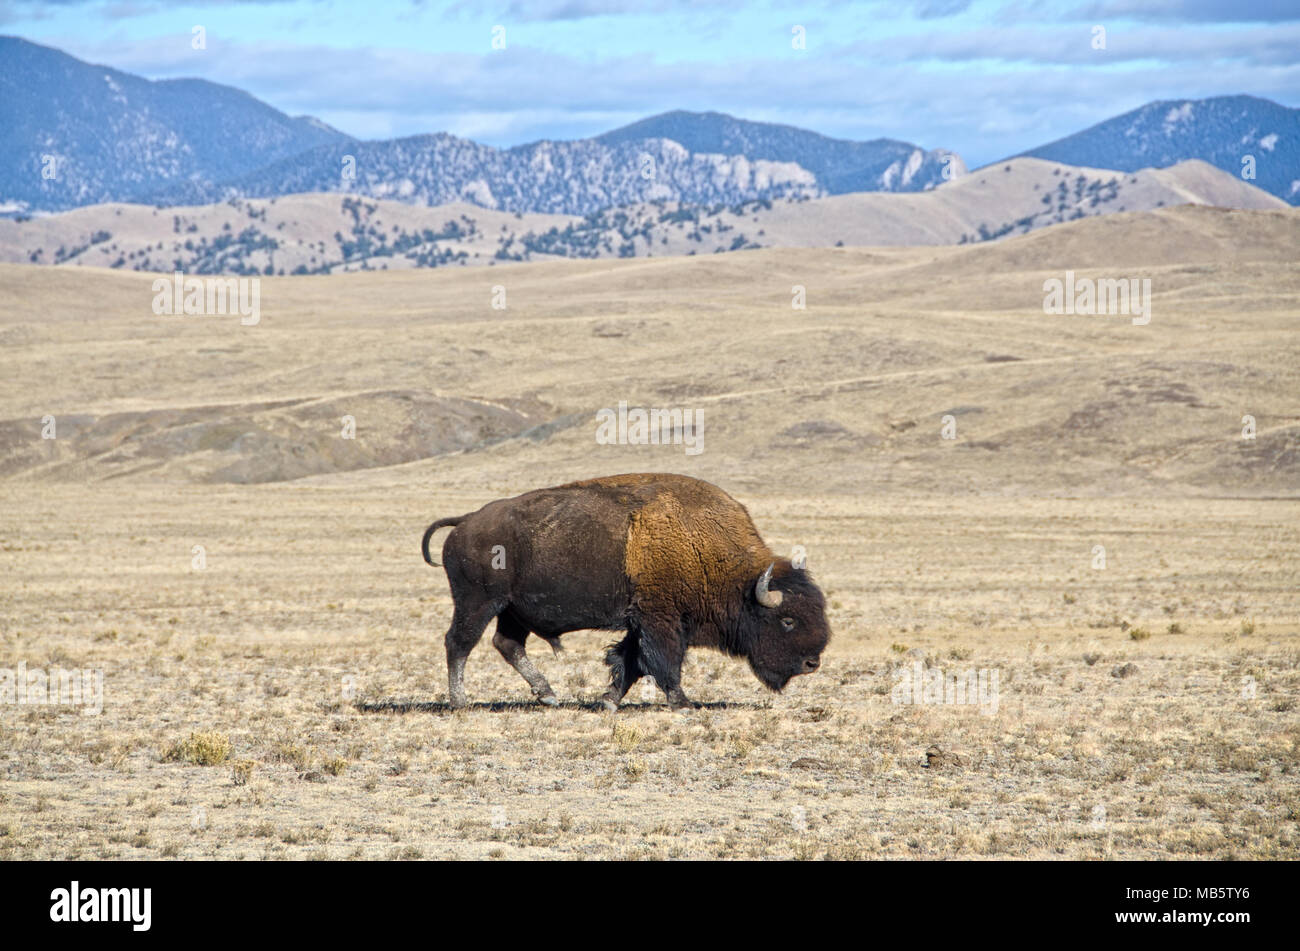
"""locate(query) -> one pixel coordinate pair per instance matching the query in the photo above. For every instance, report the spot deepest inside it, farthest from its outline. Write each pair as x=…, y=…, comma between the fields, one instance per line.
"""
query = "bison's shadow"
x=507, y=706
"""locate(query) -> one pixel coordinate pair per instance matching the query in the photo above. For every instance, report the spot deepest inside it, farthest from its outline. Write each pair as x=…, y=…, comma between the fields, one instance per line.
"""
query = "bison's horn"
x=769, y=599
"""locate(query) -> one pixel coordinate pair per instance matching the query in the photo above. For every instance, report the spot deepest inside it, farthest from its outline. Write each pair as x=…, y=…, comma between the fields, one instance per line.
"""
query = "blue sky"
x=987, y=79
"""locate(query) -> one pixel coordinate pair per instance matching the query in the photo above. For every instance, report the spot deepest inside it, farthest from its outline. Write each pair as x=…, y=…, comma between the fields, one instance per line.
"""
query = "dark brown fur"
x=670, y=560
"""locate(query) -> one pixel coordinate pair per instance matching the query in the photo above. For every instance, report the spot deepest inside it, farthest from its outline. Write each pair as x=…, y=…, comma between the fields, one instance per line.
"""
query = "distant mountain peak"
x=840, y=165
x=1243, y=135
x=74, y=133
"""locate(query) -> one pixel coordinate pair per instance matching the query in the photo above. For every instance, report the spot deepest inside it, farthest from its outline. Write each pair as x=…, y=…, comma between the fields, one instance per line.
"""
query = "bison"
x=672, y=561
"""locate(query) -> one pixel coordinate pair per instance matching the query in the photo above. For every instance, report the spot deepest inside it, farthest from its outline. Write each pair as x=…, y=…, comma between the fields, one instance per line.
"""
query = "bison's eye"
x=787, y=624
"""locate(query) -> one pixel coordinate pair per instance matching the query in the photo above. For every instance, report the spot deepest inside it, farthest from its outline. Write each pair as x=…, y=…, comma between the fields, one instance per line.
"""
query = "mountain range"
x=74, y=134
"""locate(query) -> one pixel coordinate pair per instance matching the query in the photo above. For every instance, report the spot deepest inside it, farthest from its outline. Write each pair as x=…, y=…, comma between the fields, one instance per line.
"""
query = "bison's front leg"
x=662, y=649
x=624, y=670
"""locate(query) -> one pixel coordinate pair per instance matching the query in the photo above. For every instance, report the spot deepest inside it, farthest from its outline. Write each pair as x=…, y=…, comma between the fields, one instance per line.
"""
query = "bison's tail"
x=428, y=533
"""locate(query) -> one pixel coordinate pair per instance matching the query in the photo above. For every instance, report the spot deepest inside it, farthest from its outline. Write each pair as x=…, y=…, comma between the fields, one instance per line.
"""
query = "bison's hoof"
x=550, y=700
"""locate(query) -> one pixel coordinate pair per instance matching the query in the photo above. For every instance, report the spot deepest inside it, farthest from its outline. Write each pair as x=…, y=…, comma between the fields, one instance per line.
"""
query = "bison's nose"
x=811, y=664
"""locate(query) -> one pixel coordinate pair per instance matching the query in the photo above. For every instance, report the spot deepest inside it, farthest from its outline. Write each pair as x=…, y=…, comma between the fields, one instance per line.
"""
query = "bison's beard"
x=770, y=679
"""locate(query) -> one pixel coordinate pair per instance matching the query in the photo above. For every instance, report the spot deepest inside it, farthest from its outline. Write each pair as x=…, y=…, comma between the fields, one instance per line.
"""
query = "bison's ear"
x=764, y=596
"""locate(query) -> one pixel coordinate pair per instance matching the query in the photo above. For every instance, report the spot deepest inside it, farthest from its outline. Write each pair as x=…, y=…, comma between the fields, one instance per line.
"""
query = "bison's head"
x=787, y=629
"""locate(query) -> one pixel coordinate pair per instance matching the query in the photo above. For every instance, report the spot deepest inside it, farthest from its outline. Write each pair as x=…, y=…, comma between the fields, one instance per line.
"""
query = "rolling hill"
x=847, y=395
x=326, y=233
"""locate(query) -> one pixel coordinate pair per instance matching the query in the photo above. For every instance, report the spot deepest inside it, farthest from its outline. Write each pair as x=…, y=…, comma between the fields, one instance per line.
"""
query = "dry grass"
x=351, y=756
x=201, y=749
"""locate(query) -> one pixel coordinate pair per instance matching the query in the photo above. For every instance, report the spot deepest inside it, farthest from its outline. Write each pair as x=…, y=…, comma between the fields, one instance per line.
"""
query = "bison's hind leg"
x=467, y=625
x=509, y=640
